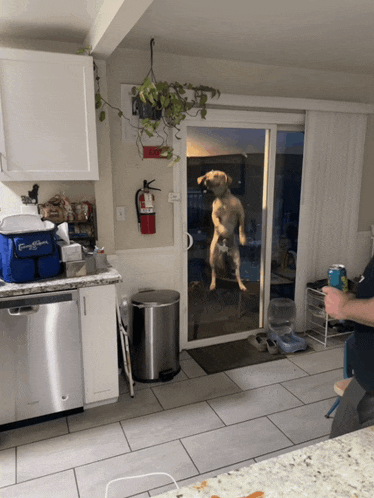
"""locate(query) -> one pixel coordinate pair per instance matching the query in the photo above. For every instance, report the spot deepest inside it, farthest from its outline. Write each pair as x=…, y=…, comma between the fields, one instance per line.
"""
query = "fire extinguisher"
x=145, y=208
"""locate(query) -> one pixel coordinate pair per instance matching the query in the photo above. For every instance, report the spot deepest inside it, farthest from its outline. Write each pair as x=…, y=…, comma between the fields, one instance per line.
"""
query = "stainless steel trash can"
x=155, y=335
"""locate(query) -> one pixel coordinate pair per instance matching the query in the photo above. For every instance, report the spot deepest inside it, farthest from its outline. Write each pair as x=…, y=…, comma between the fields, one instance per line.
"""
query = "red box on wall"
x=152, y=152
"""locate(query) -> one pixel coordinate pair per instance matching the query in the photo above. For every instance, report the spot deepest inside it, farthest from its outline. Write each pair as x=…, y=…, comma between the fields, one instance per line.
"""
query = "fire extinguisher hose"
x=137, y=206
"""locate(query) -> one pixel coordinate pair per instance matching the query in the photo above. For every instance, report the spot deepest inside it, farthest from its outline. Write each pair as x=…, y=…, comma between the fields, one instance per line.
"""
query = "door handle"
x=23, y=310
x=190, y=241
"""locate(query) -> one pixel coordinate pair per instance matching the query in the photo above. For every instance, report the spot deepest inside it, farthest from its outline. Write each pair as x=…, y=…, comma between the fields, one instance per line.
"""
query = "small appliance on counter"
x=71, y=253
x=28, y=249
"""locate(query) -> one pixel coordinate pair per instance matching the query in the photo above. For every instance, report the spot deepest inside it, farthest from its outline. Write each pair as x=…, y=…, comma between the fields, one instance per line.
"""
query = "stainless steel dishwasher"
x=40, y=355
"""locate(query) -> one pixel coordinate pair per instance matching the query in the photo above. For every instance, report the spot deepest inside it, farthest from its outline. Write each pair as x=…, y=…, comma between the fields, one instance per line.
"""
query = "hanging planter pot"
x=160, y=107
x=145, y=110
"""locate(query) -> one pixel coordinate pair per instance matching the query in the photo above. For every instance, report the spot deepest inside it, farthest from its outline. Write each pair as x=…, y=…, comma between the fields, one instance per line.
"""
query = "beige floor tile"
x=143, y=403
x=61, y=485
x=65, y=452
x=305, y=422
x=253, y=403
x=265, y=374
x=315, y=387
x=147, y=385
x=202, y=477
x=170, y=457
x=321, y=361
x=32, y=433
x=194, y=390
x=184, y=355
x=291, y=448
x=234, y=444
x=168, y=425
x=7, y=467
x=192, y=369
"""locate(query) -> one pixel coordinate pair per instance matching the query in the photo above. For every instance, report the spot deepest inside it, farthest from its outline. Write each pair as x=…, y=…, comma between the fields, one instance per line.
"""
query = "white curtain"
x=330, y=195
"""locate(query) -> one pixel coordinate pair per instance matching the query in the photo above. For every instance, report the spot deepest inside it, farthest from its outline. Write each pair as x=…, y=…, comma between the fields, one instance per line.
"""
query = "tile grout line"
x=214, y=411
x=163, y=410
x=301, y=401
x=16, y=464
x=182, y=406
x=126, y=439
x=279, y=429
x=157, y=399
x=190, y=457
x=40, y=477
x=76, y=482
x=290, y=447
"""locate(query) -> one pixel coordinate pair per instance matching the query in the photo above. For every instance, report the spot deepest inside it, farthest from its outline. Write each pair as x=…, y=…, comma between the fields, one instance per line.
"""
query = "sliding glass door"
x=262, y=164
x=239, y=153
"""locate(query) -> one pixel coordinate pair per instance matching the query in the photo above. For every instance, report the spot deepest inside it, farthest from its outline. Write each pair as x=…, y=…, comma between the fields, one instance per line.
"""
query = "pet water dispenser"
x=281, y=325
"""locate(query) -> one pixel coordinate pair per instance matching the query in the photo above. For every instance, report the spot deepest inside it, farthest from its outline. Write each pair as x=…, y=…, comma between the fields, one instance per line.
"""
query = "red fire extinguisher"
x=145, y=208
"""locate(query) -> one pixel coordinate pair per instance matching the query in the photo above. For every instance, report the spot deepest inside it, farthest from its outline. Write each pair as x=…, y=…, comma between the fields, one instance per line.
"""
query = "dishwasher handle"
x=24, y=310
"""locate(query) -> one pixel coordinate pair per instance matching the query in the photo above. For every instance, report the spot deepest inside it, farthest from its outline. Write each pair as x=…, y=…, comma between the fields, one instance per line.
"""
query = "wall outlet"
x=121, y=213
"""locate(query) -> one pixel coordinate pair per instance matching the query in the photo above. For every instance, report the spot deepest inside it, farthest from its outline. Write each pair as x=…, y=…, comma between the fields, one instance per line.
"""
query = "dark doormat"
x=230, y=355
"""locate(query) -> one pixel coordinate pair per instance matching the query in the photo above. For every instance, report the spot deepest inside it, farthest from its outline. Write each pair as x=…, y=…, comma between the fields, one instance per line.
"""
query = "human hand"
x=335, y=300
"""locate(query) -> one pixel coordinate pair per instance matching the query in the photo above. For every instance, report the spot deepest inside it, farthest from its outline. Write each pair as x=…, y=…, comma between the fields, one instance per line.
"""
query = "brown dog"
x=227, y=214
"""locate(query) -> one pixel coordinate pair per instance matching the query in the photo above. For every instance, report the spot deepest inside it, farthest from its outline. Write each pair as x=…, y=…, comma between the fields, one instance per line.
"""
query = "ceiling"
x=333, y=35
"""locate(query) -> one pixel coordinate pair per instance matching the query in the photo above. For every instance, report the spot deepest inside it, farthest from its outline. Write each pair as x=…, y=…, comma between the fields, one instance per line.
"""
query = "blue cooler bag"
x=28, y=249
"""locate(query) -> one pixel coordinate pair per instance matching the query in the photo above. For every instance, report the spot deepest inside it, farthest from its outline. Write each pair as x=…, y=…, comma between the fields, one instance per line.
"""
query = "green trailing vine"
x=172, y=100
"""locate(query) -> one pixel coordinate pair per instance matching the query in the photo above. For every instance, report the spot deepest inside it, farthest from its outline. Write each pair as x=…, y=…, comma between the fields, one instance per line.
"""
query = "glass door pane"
x=239, y=153
x=287, y=188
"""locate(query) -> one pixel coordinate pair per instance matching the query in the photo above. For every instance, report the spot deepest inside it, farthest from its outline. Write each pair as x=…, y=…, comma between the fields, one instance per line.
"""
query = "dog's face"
x=215, y=179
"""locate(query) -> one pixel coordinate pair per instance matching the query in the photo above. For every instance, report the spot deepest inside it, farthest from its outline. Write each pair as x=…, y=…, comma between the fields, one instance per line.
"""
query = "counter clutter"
x=336, y=468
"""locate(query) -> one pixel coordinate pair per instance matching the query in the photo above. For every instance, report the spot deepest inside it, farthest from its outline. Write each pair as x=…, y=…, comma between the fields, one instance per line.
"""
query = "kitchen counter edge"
x=104, y=277
x=335, y=468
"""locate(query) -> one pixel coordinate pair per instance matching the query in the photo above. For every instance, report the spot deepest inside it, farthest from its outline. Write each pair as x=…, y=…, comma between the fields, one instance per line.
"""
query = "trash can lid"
x=156, y=297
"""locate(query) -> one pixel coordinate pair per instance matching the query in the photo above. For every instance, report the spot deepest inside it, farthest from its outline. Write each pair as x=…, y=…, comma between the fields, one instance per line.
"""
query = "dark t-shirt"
x=363, y=349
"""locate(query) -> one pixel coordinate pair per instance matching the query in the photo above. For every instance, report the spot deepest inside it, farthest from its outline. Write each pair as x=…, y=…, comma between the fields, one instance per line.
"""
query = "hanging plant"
x=160, y=106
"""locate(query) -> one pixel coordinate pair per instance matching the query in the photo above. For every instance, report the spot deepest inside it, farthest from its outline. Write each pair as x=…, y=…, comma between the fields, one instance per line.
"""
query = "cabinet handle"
x=1, y=162
x=84, y=306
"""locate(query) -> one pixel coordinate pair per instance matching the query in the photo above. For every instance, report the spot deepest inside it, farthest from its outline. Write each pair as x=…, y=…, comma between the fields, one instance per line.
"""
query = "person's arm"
x=344, y=306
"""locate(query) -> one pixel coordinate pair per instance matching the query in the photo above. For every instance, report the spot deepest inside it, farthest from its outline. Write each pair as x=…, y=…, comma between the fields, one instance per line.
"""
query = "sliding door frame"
x=271, y=122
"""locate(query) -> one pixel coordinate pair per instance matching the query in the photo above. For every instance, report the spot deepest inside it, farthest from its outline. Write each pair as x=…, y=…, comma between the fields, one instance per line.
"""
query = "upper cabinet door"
x=47, y=117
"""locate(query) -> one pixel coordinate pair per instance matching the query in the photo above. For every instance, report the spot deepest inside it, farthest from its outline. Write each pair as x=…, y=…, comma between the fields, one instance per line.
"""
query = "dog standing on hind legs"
x=227, y=214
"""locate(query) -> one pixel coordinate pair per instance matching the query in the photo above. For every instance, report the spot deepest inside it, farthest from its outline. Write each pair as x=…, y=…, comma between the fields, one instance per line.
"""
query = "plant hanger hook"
x=151, y=70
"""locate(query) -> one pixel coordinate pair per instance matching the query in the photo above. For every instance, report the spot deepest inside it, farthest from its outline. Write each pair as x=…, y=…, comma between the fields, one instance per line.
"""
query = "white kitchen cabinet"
x=47, y=116
x=99, y=343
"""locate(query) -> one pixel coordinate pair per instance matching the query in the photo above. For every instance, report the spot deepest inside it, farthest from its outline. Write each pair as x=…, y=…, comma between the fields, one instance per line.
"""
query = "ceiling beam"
x=114, y=20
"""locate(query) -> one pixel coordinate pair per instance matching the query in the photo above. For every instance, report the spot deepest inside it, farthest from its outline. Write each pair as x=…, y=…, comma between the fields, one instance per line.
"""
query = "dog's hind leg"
x=236, y=258
x=213, y=255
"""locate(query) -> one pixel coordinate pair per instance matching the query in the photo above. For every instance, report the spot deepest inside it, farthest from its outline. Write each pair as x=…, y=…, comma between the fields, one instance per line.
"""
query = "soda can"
x=337, y=276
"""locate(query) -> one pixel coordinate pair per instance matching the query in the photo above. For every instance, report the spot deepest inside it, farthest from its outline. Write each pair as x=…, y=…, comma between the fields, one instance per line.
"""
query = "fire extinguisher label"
x=148, y=200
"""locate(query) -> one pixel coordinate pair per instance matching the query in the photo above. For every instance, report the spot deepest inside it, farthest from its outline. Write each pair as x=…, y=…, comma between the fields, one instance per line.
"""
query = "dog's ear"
x=228, y=180
x=200, y=179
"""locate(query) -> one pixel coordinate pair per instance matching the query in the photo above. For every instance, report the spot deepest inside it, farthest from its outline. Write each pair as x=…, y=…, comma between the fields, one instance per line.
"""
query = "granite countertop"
x=336, y=468
x=102, y=277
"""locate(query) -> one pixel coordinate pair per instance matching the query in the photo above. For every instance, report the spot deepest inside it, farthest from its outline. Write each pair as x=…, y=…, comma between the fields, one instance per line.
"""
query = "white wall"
x=131, y=66
x=122, y=171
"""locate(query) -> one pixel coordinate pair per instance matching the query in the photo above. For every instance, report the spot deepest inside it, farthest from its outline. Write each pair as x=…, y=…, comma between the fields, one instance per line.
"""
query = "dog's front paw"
x=242, y=240
x=212, y=287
